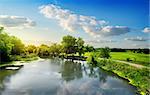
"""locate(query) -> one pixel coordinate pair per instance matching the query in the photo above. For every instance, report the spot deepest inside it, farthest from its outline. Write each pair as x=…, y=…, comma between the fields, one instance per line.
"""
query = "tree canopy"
x=105, y=52
x=11, y=47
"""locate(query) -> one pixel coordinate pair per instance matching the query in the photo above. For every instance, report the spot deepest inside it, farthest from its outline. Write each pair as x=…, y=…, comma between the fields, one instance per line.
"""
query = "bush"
x=15, y=58
x=137, y=77
x=128, y=59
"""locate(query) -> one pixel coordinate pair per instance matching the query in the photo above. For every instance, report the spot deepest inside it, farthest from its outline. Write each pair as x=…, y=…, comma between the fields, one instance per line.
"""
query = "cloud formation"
x=74, y=22
x=136, y=39
x=141, y=45
x=15, y=21
x=101, y=41
x=146, y=30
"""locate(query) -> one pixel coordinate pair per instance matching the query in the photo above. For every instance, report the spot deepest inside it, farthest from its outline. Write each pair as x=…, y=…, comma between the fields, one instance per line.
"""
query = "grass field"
x=143, y=59
x=138, y=77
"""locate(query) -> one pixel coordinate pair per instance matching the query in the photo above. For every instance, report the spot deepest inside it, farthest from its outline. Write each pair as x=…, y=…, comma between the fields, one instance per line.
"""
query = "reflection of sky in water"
x=53, y=78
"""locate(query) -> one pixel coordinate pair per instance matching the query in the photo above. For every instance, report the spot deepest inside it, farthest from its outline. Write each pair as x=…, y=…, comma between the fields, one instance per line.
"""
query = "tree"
x=18, y=46
x=5, y=47
x=1, y=29
x=55, y=49
x=69, y=44
x=43, y=50
x=89, y=48
x=31, y=49
x=80, y=45
x=105, y=52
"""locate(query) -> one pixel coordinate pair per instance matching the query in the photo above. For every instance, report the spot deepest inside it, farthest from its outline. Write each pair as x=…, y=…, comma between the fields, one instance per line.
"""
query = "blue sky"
x=131, y=14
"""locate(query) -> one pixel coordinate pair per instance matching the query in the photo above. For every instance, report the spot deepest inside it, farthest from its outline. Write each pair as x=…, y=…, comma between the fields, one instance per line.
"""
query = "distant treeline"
x=145, y=50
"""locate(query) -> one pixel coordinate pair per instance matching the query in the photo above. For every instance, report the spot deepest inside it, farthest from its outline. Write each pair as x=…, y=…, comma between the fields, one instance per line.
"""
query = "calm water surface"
x=57, y=77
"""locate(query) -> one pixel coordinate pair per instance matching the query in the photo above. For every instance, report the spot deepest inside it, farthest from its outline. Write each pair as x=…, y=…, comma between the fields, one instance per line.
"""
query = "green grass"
x=15, y=58
x=136, y=76
x=143, y=59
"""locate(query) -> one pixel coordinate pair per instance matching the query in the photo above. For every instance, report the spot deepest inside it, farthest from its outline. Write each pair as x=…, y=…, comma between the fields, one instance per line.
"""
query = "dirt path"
x=132, y=64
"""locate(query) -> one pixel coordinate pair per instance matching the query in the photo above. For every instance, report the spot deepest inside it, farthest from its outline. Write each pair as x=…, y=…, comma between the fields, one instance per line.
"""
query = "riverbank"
x=20, y=62
x=138, y=77
x=49, y=75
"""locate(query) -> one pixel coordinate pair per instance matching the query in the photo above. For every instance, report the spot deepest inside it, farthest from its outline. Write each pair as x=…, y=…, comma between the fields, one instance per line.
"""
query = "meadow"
x=138, y=58
x=138, y=77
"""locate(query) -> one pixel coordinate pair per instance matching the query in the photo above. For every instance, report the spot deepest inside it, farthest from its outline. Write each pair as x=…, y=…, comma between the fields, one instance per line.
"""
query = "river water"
x=60, y=77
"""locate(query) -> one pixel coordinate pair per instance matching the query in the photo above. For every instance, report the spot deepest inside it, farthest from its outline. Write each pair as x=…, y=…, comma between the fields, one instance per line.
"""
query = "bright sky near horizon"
x=113, y=23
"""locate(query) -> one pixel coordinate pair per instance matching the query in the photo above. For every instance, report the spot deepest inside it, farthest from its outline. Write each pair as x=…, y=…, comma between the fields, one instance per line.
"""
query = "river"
x=60, y=77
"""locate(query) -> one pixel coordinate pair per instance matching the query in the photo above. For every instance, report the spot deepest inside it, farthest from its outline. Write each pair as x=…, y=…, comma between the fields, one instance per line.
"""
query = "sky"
x=113, y=23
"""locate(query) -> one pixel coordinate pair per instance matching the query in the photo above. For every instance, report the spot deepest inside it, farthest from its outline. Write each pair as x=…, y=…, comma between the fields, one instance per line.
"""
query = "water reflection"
x=71, y=71
x=4, y=77
x=58, y=77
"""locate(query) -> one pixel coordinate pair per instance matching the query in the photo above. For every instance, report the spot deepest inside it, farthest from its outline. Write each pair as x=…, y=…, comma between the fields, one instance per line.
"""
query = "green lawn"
x=143, y=59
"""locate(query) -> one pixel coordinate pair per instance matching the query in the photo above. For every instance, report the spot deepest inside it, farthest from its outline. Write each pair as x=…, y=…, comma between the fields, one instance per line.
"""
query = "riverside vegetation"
x=139, y=77
x=12, y=49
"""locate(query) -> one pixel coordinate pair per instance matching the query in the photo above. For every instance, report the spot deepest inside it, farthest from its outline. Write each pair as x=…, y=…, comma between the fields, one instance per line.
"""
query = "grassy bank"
x=19, y=58
x=137, y=77
x=138, y=58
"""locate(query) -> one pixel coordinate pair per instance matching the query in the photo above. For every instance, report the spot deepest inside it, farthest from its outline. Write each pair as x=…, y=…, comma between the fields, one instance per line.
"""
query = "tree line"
x=12, y=48
x=138, y=50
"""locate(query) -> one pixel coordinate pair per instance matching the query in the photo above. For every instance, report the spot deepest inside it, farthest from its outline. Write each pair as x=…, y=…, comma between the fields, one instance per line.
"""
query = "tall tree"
x=43, y=50
x=1, y=29
x=5, y=47
x=105, y=52
x=18, y=46
x=69, y=44
x=31, y=49
x=89, y=48
x=80, y=45
x=55, y=49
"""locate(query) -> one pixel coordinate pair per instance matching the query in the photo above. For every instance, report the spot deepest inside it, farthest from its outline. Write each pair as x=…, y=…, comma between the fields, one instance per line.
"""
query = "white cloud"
x=74, y=22
x=15, y=21
x=141, y=45
x=114, y=30
x=146, y=30
x=136, y=39
x=100, y=41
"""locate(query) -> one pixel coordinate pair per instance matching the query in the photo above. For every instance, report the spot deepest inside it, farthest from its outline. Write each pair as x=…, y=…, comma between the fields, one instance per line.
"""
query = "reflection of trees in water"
x=56, y=61
x=4, y=78
x=71, y=70
x=95, y=72
x=102, y=76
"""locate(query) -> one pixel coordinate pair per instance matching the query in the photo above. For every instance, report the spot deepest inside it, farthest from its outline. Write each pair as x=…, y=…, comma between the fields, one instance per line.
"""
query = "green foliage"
x=10, y=47
x=30, y=49
x=55, y=49
x=69, y=44
x=138, y=58
x=16, y=58
x=1, y=29
x=5, y=47
x=18, y=46
x=68, y=41
x=91, y=60
x=80, y=45
x=89, y=48
x=80, y=42
x=43, y=50
x=137, y=77
x=72, y=45
x=105, y=52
